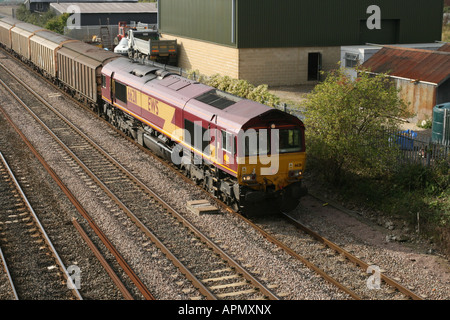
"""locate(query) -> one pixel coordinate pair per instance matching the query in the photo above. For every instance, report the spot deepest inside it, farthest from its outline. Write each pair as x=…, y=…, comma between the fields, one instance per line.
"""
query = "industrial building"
x=44, y=5
x=109, y=13
x=289, y=42
x=423, y=76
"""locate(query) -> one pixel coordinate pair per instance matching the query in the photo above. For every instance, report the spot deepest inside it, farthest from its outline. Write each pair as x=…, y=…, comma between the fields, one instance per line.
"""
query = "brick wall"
x=207, y=58
x=282, y=66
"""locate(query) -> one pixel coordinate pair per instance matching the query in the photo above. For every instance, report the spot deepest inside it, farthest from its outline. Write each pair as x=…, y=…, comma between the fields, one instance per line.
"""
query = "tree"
x=346, y=121
x=57, y=23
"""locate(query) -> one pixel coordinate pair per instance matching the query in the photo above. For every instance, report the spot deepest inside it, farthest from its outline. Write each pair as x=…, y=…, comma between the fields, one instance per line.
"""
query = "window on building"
x=351, y=60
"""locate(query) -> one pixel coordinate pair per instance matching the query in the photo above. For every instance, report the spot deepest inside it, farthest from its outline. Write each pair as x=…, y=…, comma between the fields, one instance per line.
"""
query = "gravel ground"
x=411, y=264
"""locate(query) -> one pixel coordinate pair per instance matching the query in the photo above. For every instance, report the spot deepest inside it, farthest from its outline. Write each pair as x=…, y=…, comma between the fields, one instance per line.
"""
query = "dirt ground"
x=291, y=94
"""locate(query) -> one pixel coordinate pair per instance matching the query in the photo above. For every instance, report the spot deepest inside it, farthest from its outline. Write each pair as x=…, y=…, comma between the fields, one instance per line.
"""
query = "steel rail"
x=102, y=260
x=178, y=216
x=42, y=230
x=197, y=283
x=11, y=282
x=83, y=212
x=297, y=256
x=348, y=255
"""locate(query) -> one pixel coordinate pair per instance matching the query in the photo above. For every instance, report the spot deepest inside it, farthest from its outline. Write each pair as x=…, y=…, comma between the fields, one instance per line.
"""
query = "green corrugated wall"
x=297, y=23
x=208, y=20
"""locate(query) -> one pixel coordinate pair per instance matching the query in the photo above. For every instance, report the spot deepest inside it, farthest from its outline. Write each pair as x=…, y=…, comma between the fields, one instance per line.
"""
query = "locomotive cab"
x=271, y=159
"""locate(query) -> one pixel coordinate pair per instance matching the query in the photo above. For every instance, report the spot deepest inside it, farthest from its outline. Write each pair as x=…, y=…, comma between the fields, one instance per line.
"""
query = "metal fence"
x=90, y=34
x=419, y=149
x=291, y=109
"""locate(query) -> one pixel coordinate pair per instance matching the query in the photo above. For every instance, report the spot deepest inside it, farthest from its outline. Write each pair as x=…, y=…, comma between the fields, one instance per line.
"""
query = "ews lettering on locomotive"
x=152, y=105
x=145, y=102
x=132, y=96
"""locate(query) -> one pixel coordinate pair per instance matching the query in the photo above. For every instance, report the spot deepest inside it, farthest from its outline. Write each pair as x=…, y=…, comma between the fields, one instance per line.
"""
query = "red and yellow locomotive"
x=240, y=150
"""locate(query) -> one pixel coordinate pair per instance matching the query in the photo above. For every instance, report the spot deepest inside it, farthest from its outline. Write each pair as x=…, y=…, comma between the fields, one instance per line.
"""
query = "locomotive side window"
x=121, y=91
x=103, y=81
x=258, y=143
x=228, y=142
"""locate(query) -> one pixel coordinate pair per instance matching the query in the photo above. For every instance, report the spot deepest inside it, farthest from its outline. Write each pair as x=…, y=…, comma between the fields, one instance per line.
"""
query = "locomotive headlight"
x=249, y=178
x=295, y=173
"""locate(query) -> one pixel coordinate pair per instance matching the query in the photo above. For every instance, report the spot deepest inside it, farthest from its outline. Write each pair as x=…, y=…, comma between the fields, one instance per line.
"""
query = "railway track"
x=34, y=268
x=113, y=275
x=215, y=274
x=325, y=244
x=344, y=255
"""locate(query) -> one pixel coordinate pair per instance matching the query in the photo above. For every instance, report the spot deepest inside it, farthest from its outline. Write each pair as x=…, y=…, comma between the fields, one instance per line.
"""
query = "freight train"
x=244, y=153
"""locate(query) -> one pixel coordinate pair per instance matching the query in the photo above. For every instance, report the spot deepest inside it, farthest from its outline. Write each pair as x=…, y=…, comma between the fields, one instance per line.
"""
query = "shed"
x=109, y=13
x=423, y=76
x=44, y=5
x=353, y=56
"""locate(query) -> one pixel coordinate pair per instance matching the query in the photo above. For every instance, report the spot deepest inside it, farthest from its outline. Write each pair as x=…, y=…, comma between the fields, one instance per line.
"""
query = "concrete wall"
x=272, y=66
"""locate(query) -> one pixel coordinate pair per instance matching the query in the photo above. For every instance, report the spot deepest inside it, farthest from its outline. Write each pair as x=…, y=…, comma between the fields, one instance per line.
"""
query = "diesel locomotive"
x=243, y=152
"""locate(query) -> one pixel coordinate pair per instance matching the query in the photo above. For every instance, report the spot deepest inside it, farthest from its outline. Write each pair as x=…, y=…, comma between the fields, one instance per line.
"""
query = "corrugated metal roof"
x=416, y=64
x=445, y=48
x=108, y=7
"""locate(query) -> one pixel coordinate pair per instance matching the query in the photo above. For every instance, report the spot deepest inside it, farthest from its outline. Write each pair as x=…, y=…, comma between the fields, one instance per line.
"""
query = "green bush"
x=48, y=20
x=346, y=123
x=237, y=87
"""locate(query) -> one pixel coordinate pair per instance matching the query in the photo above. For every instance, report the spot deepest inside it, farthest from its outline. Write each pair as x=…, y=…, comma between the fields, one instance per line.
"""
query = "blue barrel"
x=406, y=139
x=438, y=134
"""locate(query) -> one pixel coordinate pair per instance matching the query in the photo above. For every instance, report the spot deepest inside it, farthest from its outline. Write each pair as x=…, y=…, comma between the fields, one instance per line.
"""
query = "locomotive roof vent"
x=163, y=73
x=218, y=99
x=142, y=72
